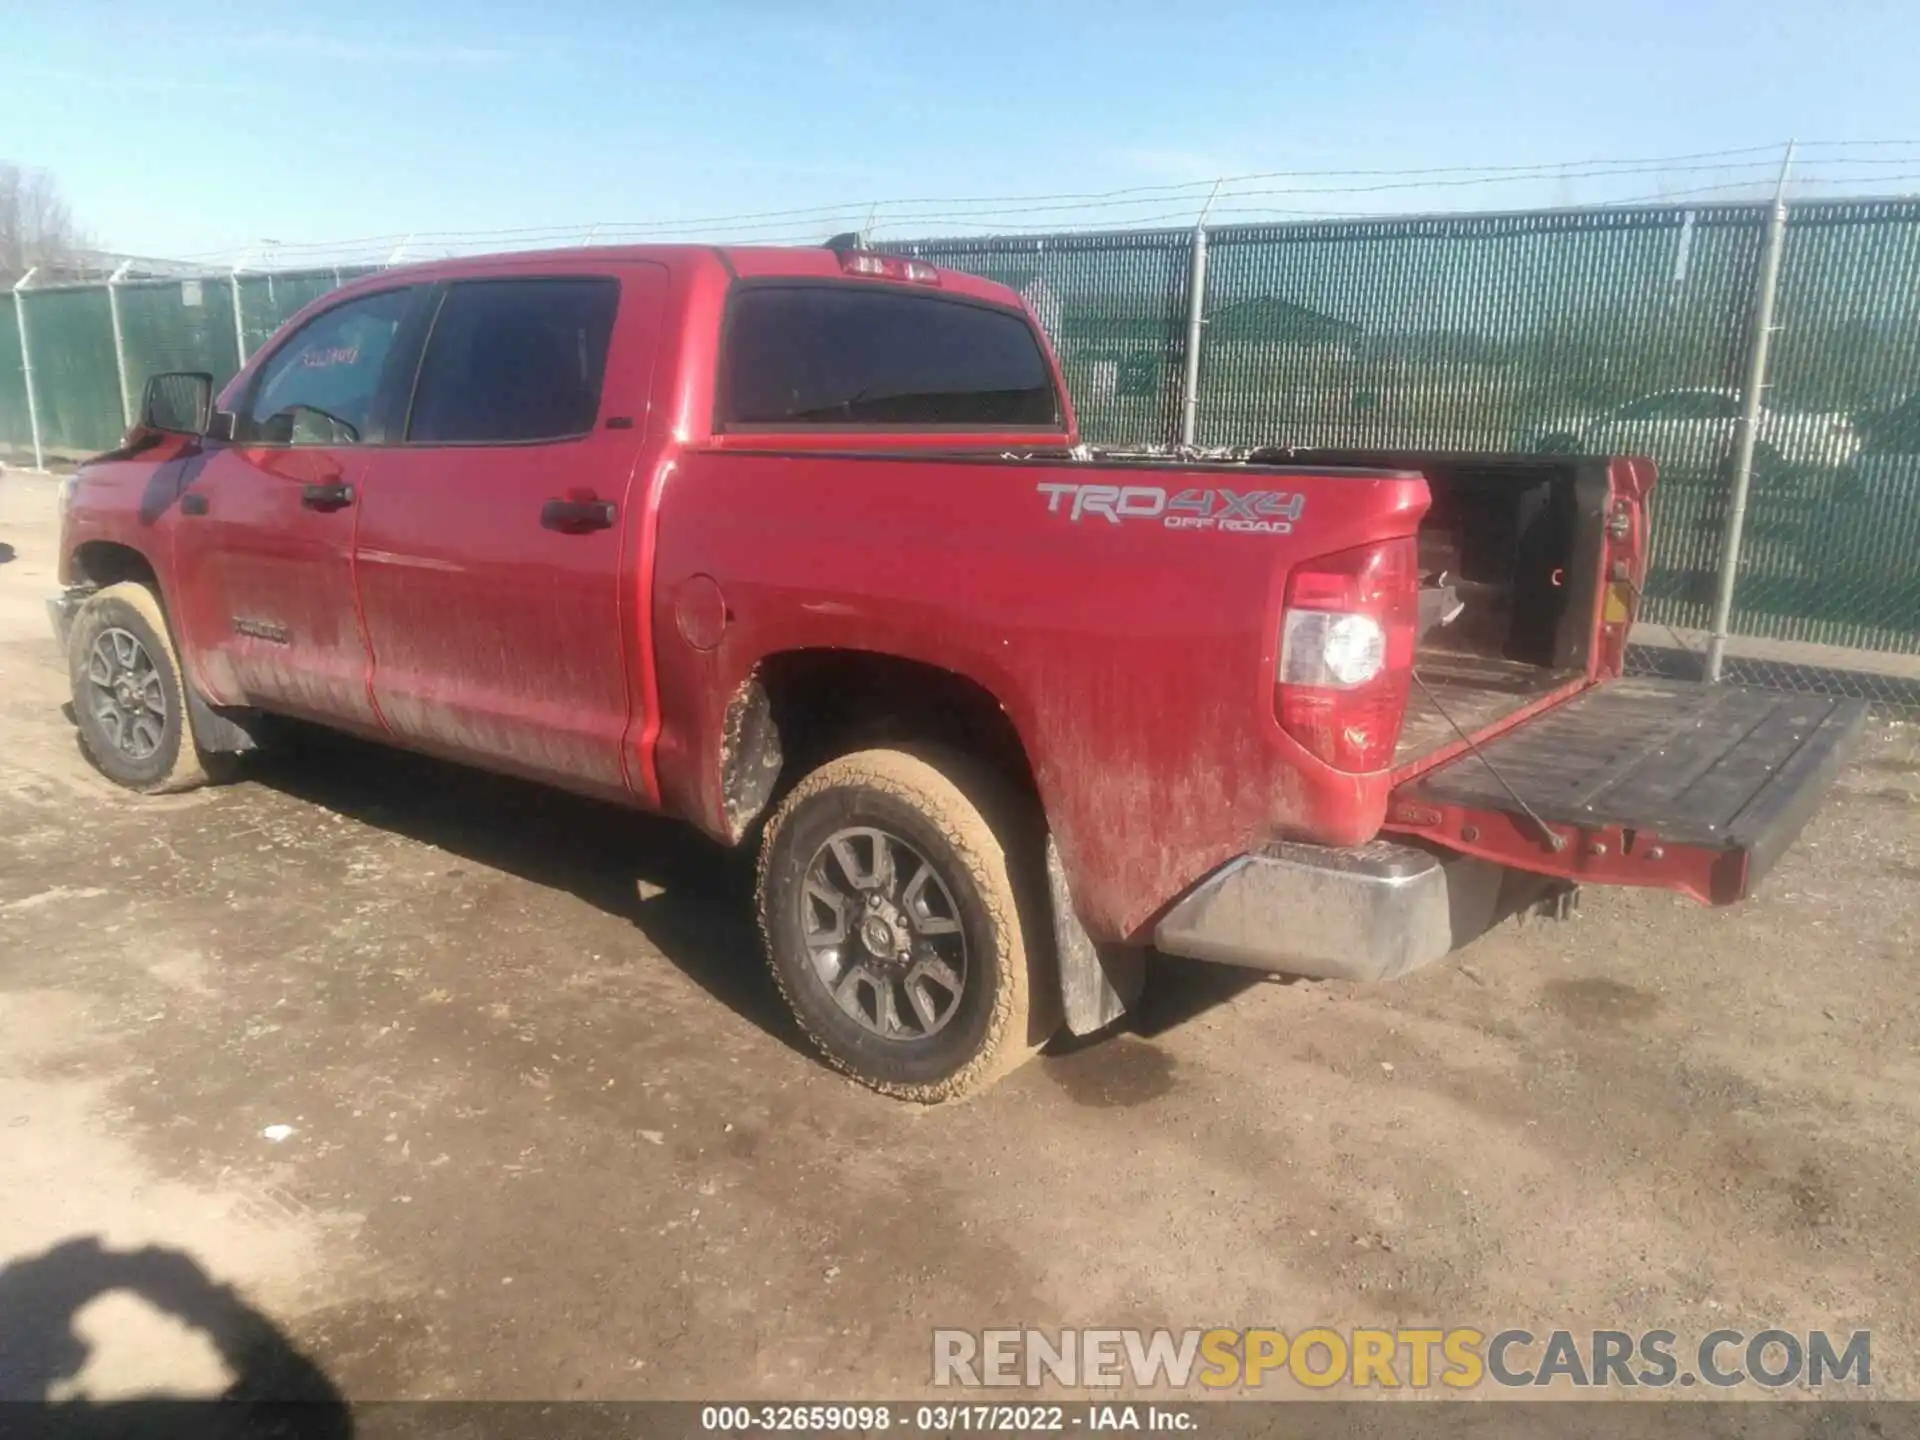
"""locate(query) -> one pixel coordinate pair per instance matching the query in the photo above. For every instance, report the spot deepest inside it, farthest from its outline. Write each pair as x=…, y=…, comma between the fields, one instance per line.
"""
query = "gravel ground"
x=549, y=1133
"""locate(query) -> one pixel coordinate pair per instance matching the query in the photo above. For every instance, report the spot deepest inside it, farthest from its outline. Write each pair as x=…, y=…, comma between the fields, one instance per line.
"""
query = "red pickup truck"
x=802, y=546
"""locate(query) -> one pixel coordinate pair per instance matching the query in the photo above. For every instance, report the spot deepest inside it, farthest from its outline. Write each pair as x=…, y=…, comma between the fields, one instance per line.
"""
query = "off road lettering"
x=1240, y=512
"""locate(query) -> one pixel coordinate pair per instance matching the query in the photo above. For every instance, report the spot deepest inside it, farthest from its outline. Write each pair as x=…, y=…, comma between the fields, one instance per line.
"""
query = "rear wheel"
x=127, y=694
x=892, y=926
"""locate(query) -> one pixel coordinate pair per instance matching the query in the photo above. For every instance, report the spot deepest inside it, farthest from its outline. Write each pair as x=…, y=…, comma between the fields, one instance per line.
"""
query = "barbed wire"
x=1073, y=199
x=1752, y=168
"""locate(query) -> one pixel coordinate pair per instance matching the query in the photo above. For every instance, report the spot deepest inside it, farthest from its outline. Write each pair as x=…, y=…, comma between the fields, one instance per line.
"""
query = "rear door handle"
x=326, y=497
x=193, y=503
x=577, y=517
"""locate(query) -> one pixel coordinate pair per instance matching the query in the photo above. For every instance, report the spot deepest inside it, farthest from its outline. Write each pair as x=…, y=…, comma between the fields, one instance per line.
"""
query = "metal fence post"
x=1196, y=327
x=119, y=339
x=26, y=363
x=239, y=319
x=1749, y=422
x=1196, y=322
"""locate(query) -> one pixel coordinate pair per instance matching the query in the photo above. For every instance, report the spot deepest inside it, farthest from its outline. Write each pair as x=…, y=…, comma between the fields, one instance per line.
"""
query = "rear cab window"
x=833, y=355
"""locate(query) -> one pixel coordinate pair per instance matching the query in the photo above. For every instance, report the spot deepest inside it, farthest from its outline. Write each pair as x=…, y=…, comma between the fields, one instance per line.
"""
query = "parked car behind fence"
x=1700, y=426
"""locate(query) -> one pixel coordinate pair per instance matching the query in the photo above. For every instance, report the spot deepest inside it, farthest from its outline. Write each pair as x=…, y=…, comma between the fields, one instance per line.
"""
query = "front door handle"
x=193, y=503
x=326, y=497
x=577, y=517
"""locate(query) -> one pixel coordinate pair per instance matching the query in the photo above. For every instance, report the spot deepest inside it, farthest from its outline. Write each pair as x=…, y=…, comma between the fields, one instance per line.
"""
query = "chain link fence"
x=1600, y=331
x=90, y=348
x=1604, y=330
x=1115, y=308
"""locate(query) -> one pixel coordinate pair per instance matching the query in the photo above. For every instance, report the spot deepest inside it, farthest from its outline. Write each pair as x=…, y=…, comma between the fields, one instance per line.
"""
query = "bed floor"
x=1471, y=691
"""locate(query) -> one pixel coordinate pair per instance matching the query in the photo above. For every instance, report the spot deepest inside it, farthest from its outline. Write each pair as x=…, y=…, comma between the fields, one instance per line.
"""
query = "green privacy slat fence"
x=75, y=378
x=177, y=325
x=1609, y=330
x=1832, y=553
x=1519, y=332
x=174, y=324
x=1115, y=307
x=268, y=301
x=16, y=432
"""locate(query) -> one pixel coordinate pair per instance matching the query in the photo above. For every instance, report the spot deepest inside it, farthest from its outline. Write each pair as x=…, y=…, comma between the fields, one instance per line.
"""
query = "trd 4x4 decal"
x=1244, y=512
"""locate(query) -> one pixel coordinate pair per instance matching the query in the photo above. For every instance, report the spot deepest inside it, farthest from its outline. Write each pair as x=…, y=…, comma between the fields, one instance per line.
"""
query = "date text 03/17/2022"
x=949, y=1419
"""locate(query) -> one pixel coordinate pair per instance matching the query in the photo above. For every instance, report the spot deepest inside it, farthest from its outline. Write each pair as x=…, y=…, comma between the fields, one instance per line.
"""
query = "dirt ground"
x=550, y=1134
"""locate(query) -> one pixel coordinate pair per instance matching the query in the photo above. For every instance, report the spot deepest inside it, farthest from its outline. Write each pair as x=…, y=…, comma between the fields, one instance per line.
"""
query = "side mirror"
x=179, y=402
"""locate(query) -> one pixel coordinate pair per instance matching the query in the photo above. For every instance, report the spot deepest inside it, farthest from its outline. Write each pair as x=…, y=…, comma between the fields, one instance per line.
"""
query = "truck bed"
x=1473, y=692
x=1518, y=542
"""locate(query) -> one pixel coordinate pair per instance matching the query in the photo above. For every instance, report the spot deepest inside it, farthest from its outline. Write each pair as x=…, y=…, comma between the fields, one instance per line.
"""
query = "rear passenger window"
x=851, y=356
x=514, y=360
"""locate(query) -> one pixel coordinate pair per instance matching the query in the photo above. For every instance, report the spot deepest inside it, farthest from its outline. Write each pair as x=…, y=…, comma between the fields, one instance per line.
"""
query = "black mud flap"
x=1663, y=783
x=1098, y=983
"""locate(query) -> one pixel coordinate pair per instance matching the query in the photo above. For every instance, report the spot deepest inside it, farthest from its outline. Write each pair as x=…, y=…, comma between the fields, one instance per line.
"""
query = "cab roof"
x=741, y=261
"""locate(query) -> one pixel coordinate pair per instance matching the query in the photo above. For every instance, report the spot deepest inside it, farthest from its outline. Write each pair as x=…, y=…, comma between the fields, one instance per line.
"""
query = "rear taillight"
x=1346, y=653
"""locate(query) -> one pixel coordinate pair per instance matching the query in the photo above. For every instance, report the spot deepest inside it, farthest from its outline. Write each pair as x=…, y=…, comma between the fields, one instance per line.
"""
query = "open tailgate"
x=1683, y=786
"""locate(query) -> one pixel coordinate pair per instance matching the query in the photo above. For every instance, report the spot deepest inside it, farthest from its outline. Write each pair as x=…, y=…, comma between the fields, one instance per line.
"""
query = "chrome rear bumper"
x=1373, y=912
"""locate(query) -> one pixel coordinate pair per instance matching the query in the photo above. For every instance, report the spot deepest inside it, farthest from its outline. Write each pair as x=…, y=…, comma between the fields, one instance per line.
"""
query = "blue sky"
x=182, y=128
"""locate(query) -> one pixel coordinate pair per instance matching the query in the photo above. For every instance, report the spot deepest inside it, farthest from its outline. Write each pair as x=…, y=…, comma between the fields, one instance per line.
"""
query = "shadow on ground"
x=276, y=1388
x=1179, y=990
x=692, y=898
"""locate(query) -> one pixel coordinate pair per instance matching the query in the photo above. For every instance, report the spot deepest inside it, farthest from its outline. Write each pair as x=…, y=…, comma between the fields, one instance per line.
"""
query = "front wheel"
x=892, y=925
x=128, y=697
